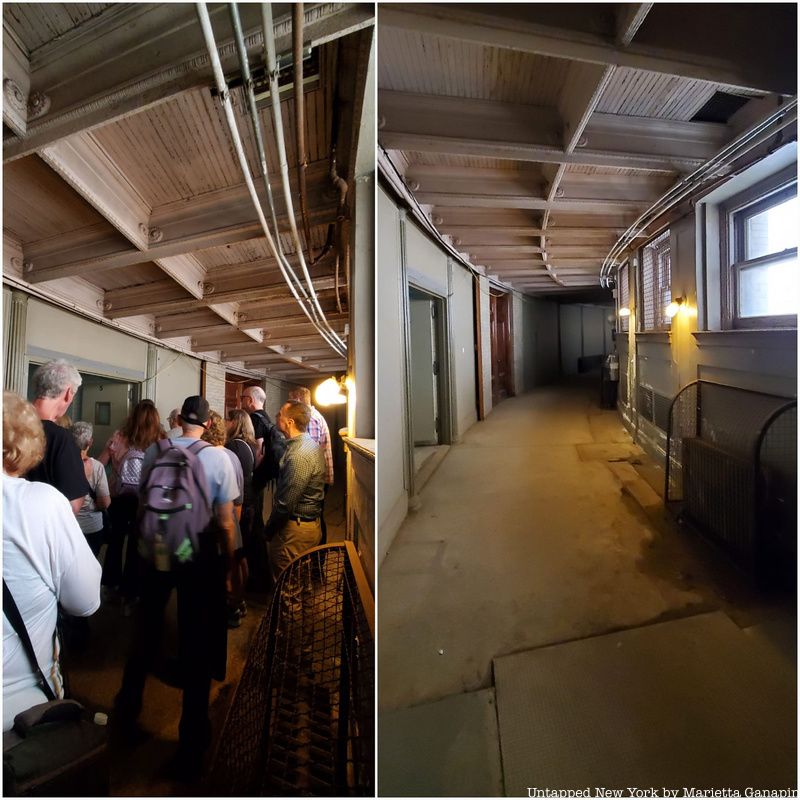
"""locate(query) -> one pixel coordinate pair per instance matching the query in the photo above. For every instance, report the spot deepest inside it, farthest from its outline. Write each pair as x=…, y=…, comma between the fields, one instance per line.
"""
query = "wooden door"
x=234, y=386
x=501, y=347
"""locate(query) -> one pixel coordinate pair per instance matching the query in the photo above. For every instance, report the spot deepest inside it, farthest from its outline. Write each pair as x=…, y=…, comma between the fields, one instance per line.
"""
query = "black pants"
x=202, y=642
x=123, y=514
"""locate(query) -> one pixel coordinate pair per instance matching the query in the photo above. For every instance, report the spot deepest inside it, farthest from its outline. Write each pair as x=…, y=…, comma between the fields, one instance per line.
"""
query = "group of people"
x=261, y=485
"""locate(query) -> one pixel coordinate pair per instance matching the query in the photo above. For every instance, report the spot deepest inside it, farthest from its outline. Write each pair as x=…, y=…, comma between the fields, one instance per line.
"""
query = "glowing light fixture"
x=675, y=306
x=624, y=311
x=331, y=392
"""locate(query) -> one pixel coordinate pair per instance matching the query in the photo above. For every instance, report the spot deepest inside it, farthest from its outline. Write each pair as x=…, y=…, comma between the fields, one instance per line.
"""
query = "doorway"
x=105, y=402
x=428, y=401
x=500, y=333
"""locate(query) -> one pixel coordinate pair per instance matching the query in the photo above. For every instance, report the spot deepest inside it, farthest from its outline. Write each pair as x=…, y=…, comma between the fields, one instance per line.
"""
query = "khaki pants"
x=291, y=541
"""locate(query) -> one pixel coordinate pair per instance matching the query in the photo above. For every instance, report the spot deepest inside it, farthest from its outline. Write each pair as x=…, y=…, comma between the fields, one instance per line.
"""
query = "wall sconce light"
x=675, y=306
x=331, y=392
x=624, y=311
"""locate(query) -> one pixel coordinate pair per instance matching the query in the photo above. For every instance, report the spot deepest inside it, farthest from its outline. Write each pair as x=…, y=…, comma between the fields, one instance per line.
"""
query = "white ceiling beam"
x=579, y=97
x=175, y=230
x=186, y=271
x=166, y=297
x=521, y=36
x=89, y=170
x=527, y=202
x=628, y=19
x=151, y=53
x=458, y=126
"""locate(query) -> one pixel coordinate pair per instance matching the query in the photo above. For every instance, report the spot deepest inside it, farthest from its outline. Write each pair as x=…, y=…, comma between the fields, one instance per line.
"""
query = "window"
x=624, y=297
x=760, y=284
x=656, y=284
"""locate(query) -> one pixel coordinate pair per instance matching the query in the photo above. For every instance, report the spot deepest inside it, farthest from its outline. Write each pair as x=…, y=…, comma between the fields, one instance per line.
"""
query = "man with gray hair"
x=253, y=399
x=174, y=430
x=54, y=387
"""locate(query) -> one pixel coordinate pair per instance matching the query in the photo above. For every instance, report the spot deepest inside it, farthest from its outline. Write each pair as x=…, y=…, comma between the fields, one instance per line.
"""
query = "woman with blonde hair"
x=46, y=561
x=125, y=450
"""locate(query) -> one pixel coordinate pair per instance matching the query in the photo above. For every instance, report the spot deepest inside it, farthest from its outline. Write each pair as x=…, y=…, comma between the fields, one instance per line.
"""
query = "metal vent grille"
x=644, y=402
x=624, y=295
x=661, y=406
x=302, y=721
x=656, y=283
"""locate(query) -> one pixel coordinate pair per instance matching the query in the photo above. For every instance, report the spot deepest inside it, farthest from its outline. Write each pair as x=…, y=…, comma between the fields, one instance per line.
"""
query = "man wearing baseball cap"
x=202, y=612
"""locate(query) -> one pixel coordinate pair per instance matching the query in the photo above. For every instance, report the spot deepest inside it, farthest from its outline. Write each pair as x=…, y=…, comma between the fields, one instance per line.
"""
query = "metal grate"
x=624, y=295
x=656, y=283
x=732, y=470
x=623, y=381
x=302, y=721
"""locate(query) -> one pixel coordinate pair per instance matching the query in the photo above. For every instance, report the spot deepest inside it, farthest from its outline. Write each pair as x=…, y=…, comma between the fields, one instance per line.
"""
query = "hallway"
x=524, y=539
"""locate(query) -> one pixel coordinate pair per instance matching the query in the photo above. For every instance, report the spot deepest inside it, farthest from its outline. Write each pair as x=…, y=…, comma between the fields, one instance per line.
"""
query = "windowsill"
x=662, y=337
x=779, y=338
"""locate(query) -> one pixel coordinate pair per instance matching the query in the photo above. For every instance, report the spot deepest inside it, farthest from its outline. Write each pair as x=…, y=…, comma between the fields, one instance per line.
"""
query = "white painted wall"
x=486, y=345
x=177, y=377
x=392, y=498
x=518, y=342
x=540, y=342
x=462, y=320
x=55, y=333
x=215, y=386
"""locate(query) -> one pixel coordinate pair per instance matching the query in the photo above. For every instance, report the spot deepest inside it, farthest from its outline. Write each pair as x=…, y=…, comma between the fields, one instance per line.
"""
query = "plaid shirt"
x=301, y=481
x=318, y=431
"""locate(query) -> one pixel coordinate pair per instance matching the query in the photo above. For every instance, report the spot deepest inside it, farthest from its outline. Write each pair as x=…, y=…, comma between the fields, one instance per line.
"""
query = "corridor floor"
x=523, y=540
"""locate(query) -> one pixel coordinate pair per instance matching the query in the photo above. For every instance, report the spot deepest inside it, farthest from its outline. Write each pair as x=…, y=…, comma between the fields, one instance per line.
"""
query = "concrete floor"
x=524, y=538
x=95, y=674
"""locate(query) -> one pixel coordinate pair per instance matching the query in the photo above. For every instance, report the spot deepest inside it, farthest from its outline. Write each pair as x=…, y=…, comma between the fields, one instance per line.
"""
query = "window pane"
x=772, y=231
x=768, y=289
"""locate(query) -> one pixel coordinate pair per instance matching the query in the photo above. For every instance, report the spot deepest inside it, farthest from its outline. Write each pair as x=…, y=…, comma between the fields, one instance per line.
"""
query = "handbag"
x=54, y=749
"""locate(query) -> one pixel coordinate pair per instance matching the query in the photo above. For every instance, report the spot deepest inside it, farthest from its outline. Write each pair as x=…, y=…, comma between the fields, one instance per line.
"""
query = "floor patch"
x=446, y=748
x=688, y=703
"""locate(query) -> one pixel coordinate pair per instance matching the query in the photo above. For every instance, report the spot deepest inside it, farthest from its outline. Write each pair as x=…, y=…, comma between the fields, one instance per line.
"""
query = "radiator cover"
x=719, y=493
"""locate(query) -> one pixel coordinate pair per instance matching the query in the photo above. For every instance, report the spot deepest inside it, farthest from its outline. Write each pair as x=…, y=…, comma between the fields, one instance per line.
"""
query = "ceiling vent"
x=720, y=108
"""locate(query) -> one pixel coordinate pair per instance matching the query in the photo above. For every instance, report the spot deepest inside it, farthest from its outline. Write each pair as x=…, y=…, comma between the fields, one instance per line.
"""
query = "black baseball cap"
x=195, y=410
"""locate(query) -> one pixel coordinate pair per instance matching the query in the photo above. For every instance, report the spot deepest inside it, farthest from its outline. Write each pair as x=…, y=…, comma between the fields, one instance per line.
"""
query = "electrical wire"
x=744, y=143
x=272, y=70
x=208, y=34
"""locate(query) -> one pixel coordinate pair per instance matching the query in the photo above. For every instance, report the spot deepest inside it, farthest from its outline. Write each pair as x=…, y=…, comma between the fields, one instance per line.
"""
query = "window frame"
x=733, y=220
x=661, y=324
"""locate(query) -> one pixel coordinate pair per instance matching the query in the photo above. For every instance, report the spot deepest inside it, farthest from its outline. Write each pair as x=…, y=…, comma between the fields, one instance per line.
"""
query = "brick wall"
x=215, y=386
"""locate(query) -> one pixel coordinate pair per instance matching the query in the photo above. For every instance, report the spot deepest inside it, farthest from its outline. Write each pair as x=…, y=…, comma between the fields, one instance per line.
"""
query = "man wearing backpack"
x=199, y=481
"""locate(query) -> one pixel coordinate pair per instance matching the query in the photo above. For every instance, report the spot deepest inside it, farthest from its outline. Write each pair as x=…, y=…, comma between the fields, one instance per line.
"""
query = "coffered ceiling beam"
x=528, y=202
x=522, y=36
x=152, y=53
x=479, y=128
x=87, y=168
x=629, y=18
x=166, y=297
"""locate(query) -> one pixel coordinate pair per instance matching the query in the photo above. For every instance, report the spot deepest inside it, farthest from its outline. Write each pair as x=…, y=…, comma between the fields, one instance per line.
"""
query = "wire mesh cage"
x=302, y=720
x=731, y=470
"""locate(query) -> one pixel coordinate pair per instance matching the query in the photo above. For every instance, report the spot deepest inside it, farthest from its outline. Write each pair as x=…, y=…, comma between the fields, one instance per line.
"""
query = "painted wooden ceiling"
x=534, y=134
x=122, y=191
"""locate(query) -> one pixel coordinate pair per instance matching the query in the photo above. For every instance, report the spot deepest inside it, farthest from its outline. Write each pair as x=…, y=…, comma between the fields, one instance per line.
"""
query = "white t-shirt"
x=46, y=560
